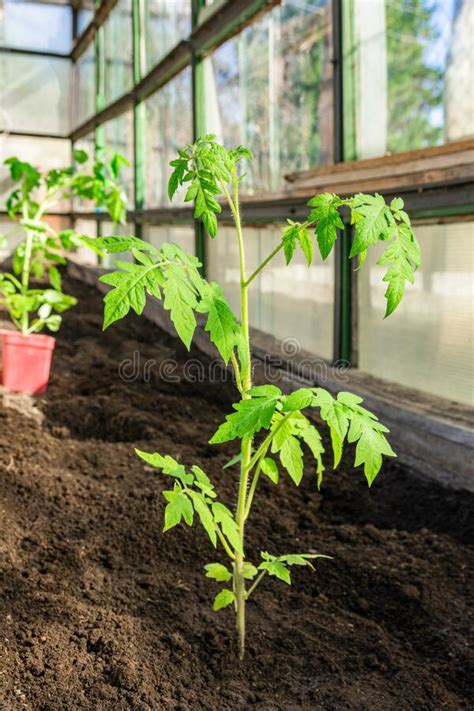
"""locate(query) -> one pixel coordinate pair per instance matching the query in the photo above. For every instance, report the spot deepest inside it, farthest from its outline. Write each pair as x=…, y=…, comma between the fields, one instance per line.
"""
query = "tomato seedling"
x=43, y=248
x=270, y=427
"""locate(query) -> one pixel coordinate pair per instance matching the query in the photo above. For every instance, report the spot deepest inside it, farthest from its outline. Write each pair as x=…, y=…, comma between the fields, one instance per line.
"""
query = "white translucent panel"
x=118, y=36
x=34, y=94
x=168, y=127
x=14, y=233
x=287, y=302
x=118, y=137
x=222, y=265
x=166, y=23
x=180, y=234
x=410, y=74
x=43, y=153
x=427, y=343
x=84, y=255
x=10, y=235
x=84, y=17
x=84, y=87
x=270, y=89
x=36, y=25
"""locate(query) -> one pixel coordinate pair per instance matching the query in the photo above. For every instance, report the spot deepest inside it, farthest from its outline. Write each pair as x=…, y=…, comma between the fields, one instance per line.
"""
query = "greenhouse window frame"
x=211, y=27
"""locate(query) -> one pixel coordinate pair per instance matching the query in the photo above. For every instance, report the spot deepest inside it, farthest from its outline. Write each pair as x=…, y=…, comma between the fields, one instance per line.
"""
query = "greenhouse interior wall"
x=322, y=92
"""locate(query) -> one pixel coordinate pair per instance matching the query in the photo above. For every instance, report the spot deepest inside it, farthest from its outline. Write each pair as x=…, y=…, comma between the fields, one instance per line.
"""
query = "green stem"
x=25, y=279
x=277, y=249
x=246, y=449
x=255, y=583
x=272, y=254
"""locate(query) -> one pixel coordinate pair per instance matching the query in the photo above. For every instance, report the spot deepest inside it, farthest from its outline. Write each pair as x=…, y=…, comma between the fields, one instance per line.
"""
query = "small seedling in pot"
x=26, y=357
x=271, y=429
x=43, y=248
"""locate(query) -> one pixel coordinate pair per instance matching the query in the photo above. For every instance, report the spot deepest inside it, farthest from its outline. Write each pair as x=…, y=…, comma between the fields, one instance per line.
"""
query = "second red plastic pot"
x=26, y=361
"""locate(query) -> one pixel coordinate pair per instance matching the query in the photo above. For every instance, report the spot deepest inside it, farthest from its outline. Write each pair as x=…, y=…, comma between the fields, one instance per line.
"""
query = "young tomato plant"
x=43, y=248
x=269, y=427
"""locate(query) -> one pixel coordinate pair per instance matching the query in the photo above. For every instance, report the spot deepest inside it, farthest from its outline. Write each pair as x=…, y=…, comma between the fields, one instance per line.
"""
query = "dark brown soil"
x=102, y=611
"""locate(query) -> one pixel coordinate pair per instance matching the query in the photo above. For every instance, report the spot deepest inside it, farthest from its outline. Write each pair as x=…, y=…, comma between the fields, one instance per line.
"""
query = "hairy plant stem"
x=25, y=279
x=246, y=448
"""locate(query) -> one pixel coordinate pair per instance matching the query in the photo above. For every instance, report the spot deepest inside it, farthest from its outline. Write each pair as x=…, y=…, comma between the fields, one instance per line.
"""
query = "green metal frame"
x=138, y=114
x=199, y=125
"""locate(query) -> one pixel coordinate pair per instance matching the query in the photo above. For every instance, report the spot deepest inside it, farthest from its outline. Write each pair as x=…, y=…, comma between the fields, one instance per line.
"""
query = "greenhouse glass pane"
x=270, y=88
x=34, y=94
x=14, y=233
x=293, y=301
x=118, y=51
x=33, y=25
x=183, y=235
x=84, y=255
x=44, y=153
x=427, y=343
x=166, y=23
x=85, y=13
x=168, y=126
x=118, y=137
x=413, y=65
x=84, y=99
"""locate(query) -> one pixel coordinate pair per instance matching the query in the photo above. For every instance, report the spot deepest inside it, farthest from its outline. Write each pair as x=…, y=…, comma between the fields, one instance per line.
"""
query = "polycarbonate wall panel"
x=14, y=233
x=412, y=74
x=270, y=88
x=84, y=255
x=183, y=235
x=168, y=127
x=85, y=13
x=427, y=343
x=166, y=24
x=44, y=153
x=34, y=94
x=289, y=302
x=118, y=36
x=118, y=137
x=36, y=25
x=84, y=87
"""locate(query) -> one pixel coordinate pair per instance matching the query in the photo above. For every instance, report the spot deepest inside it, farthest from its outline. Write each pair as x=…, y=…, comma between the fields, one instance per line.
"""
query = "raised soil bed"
x=102, y=611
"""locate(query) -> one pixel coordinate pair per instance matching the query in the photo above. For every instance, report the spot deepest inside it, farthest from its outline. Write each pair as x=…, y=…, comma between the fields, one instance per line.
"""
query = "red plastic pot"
x=26, y=361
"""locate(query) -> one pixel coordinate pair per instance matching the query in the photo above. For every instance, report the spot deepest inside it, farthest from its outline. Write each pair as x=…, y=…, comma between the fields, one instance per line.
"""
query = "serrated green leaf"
x=224, y=517
x=129, y=292
x=221, y=323
x=180, y=300
x=270, y=469
x=291, y=456
x=179, y=507
x=217, y=571
x=373, y=220
x=249, y=570
x=223, y=598
x=298, y=400
x=328, y=221
x=273, y=566
x=403, y=258
x=251, y=416
x=167, y=464
x=311, y=437
x=55, y=278
x=205, y=516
